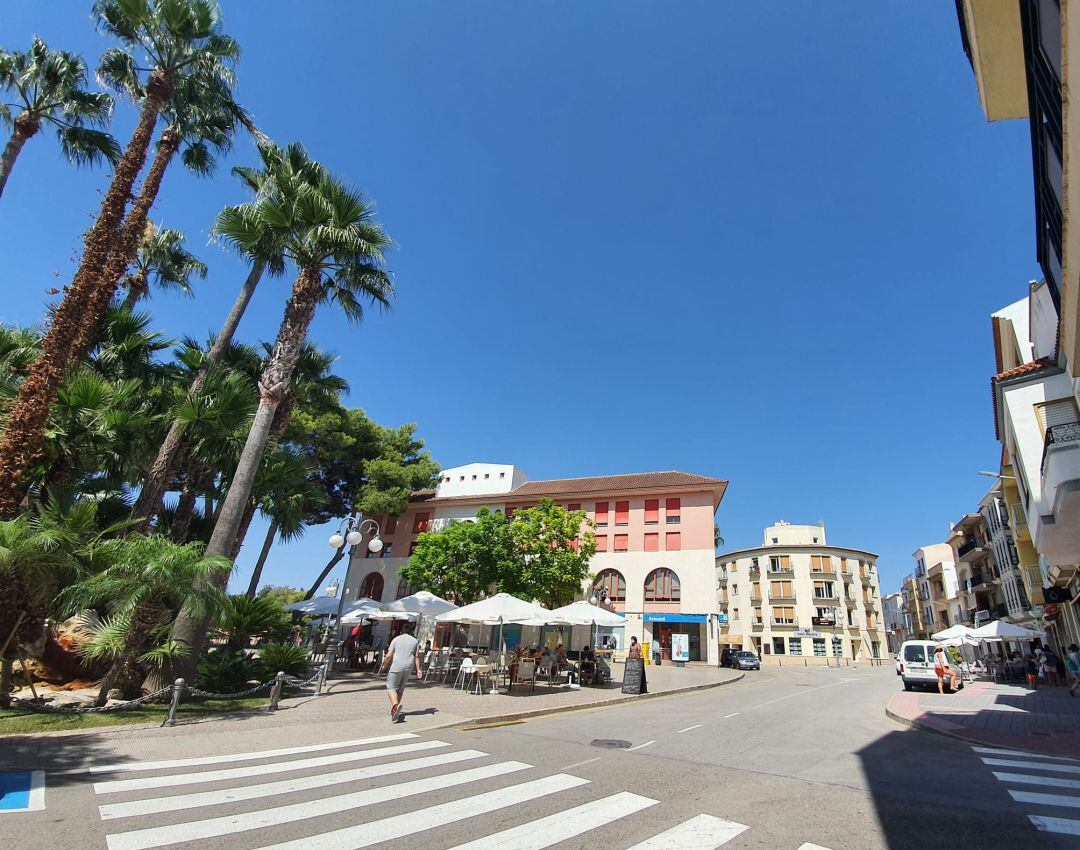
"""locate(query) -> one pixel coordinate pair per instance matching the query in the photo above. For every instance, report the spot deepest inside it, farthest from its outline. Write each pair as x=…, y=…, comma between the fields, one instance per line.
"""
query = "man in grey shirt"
x=401, y=656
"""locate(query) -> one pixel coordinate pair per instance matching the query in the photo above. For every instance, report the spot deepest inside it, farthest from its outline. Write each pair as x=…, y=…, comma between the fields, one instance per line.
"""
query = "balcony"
x=977, y=582
x=937, y=592
x=783, y=622
x=722, y=581
x=971, y=550
x=755, y=571
x=1059, y=535
x=825, y=601
x=866, y=579
x=824, y=575
x=849, y=602
x=780, y=572
x=782, y=598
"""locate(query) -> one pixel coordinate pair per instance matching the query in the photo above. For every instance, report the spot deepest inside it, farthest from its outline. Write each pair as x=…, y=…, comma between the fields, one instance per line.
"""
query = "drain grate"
x=610, y=744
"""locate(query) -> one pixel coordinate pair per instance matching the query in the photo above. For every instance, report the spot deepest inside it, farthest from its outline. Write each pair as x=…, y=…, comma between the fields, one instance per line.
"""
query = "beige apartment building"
x=791, y=596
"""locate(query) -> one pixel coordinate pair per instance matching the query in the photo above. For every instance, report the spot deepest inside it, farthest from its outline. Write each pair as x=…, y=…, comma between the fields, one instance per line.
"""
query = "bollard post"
x=275, y=692
x=321, y=681
x=174, y=703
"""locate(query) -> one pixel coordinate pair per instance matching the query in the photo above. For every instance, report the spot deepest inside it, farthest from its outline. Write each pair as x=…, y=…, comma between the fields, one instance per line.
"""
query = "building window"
x=851, y=617
x=622, y=542
x=474, y=478
x=795, y=646
x=622, y=513
x=390, y=526
x=662, y=585
x=403, y=589
x=757, y=617
x=778, y=646
x=875, y=649
x=652, y=511
x=673, y=510
x=388, y=550
x=574, y=507
x=372, y=586
x=652, y=542
x=502, y=474
x=462, y=478
x=783, y=616
x=421, y=522
x=734, y=590
x=611, y=583
x=778, y=563
x=601, y=542
x=823, y=590
x=821, y=563
x=781, y=589
x=412, y=547
x=601, y=513
x=815, y=540
x=673, y=541
x=487, y=475
x=819, y=647
x=775, y=541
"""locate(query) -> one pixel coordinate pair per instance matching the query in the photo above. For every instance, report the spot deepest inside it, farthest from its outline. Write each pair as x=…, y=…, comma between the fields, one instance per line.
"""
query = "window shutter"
x=652, y=542
x=1059, y=412
x=652, y=510
x=673, y=541
x=622, y=513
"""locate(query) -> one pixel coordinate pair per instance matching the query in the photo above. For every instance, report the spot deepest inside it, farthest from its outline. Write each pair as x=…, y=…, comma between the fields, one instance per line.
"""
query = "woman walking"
x=944, y=669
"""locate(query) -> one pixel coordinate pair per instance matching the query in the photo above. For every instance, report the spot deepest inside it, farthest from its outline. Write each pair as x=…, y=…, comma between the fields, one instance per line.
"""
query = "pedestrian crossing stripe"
x=703, y=832
x=1045, y=773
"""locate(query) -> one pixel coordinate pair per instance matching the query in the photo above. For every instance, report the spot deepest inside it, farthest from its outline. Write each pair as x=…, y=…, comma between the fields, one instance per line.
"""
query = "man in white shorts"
x=401, y=656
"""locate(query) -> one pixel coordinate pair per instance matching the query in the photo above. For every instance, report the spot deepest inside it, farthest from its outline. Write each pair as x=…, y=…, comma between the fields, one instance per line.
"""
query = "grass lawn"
x=20, y=722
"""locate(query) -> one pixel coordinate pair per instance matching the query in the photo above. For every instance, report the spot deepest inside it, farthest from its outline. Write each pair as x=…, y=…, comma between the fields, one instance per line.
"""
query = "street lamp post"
x=835, y=639
x=350, y=532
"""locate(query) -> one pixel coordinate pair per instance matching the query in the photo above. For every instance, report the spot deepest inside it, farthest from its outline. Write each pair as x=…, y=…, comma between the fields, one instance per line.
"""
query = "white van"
x=917, y=664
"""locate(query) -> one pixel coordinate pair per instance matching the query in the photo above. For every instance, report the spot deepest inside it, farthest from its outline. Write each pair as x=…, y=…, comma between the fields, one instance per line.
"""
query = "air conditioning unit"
x=982, y=617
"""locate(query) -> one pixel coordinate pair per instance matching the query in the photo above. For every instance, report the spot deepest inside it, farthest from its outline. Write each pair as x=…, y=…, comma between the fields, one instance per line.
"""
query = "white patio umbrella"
x=422, y=602
x=393, y=615
x=318, y=606
x=584, y=613
x=1001, y=630
x=498, y=610
x=359, y=610
x=952, y=633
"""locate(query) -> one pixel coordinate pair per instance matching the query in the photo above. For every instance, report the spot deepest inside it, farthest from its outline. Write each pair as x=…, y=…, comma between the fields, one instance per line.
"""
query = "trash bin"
x=656, y=656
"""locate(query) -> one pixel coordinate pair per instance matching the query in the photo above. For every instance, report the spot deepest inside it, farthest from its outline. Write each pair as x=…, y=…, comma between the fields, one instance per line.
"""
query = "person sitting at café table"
x=588, y=664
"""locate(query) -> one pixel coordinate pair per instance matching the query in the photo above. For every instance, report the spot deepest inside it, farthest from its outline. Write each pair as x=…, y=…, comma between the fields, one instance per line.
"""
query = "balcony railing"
x=849, y=602
x=1068, y=432
x=967, y=547
x=723, y=581
x=977, y=581
x=830, y=600
x=781, y=571
x=783, y=621
x=782, y=597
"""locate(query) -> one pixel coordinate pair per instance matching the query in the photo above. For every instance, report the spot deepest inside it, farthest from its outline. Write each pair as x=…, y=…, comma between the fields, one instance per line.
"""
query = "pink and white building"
x=655, y=558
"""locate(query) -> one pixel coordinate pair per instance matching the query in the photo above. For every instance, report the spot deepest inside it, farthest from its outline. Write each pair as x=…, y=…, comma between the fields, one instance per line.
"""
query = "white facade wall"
x=479, y=479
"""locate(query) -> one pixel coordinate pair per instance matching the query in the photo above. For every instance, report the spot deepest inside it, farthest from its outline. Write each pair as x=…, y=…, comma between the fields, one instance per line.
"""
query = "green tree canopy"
x=555, y=546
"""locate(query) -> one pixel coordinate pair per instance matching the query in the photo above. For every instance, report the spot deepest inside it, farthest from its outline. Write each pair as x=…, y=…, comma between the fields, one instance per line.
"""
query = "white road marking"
x=688, y=728
x=703, y=832
x=563, y=825
x=161, y=836
x=812, y=847
x=735, y=714
x=112, y=786
x=1032, y=779
x=1045, y=799
x=261, y=754
x=176, y=803
x=1065, y=826
x=580, y=763
x=802, y=693
x=410, y=823
x=640, y=746
x=1016, y=753
x=1036, y=765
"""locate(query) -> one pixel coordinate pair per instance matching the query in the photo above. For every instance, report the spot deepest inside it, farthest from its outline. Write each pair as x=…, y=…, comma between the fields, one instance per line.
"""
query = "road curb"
x=923, y=727
x=566, y=709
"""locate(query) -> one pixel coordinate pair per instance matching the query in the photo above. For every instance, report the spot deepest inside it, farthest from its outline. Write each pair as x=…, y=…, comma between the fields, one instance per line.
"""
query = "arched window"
x=662, y=585
x=403, y=589
x=612, y=583
x=372, y=587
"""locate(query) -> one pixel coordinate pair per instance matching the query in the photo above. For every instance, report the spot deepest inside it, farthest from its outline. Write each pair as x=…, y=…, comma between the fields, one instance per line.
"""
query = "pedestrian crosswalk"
x=365, y=791
x=1049, y=785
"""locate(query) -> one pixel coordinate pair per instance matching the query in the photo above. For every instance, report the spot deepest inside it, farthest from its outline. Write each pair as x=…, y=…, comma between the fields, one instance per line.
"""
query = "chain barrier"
x=176, y=690
x=91, y=709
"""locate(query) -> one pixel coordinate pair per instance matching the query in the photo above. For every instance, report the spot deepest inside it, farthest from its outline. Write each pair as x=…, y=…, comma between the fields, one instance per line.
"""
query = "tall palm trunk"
x=137, y=288
x=165, y=465
x=256, y=574
x=127, y=245
x=23, y=437
x=25, y=128
x=241, y=532
x=143, y=620
x=190, y=630
x=333, y=562
x=185, y=508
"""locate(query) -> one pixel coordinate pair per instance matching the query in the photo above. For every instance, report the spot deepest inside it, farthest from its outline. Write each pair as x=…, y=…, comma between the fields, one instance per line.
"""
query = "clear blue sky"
x=760, y=241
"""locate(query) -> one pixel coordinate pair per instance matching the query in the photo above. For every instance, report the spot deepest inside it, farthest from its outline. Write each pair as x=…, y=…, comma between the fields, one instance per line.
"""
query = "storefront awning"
x=676, y=618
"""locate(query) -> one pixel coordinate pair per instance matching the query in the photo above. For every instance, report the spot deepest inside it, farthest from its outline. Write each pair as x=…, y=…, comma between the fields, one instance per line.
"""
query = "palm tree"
x=161, y=261
x=173, y=39
x=48, y=87
x=264, y=255
x=147, y=579
x=329, y=233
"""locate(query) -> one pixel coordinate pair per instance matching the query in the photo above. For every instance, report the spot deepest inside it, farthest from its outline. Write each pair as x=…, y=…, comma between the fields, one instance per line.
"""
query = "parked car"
x=746, y=660
x=917, y=664
x=727, y=657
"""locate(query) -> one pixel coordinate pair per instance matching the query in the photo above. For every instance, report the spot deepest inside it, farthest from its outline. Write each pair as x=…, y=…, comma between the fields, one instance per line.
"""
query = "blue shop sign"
x=676, y=618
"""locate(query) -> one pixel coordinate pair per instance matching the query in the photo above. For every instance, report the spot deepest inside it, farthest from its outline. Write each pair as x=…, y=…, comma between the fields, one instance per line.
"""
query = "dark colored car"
x=745, y=660
x=727, y=657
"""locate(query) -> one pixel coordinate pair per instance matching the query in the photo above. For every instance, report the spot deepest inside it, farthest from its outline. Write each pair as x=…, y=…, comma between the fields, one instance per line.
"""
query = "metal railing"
x=1067, y=432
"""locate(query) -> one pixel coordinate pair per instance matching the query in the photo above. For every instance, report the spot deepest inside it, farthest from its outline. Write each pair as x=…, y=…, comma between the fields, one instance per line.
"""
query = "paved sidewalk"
x=352, y=706
x=1046, y=720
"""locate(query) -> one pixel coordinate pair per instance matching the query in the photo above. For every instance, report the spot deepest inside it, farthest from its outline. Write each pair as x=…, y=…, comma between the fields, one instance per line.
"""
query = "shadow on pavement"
x=64, y=758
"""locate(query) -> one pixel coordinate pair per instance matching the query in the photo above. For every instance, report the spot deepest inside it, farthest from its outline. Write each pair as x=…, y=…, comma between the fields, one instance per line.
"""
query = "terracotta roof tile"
x=1026, y=368
x=631, y=481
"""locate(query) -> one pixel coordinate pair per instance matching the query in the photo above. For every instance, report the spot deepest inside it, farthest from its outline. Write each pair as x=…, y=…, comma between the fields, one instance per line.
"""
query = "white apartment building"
x=794, y=593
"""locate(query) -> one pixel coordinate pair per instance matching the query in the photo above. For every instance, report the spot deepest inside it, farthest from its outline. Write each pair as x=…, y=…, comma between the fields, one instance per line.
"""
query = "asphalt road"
x=798, y=759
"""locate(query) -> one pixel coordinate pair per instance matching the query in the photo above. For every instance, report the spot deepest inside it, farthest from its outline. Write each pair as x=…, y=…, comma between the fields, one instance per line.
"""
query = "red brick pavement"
x=1046, y=720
